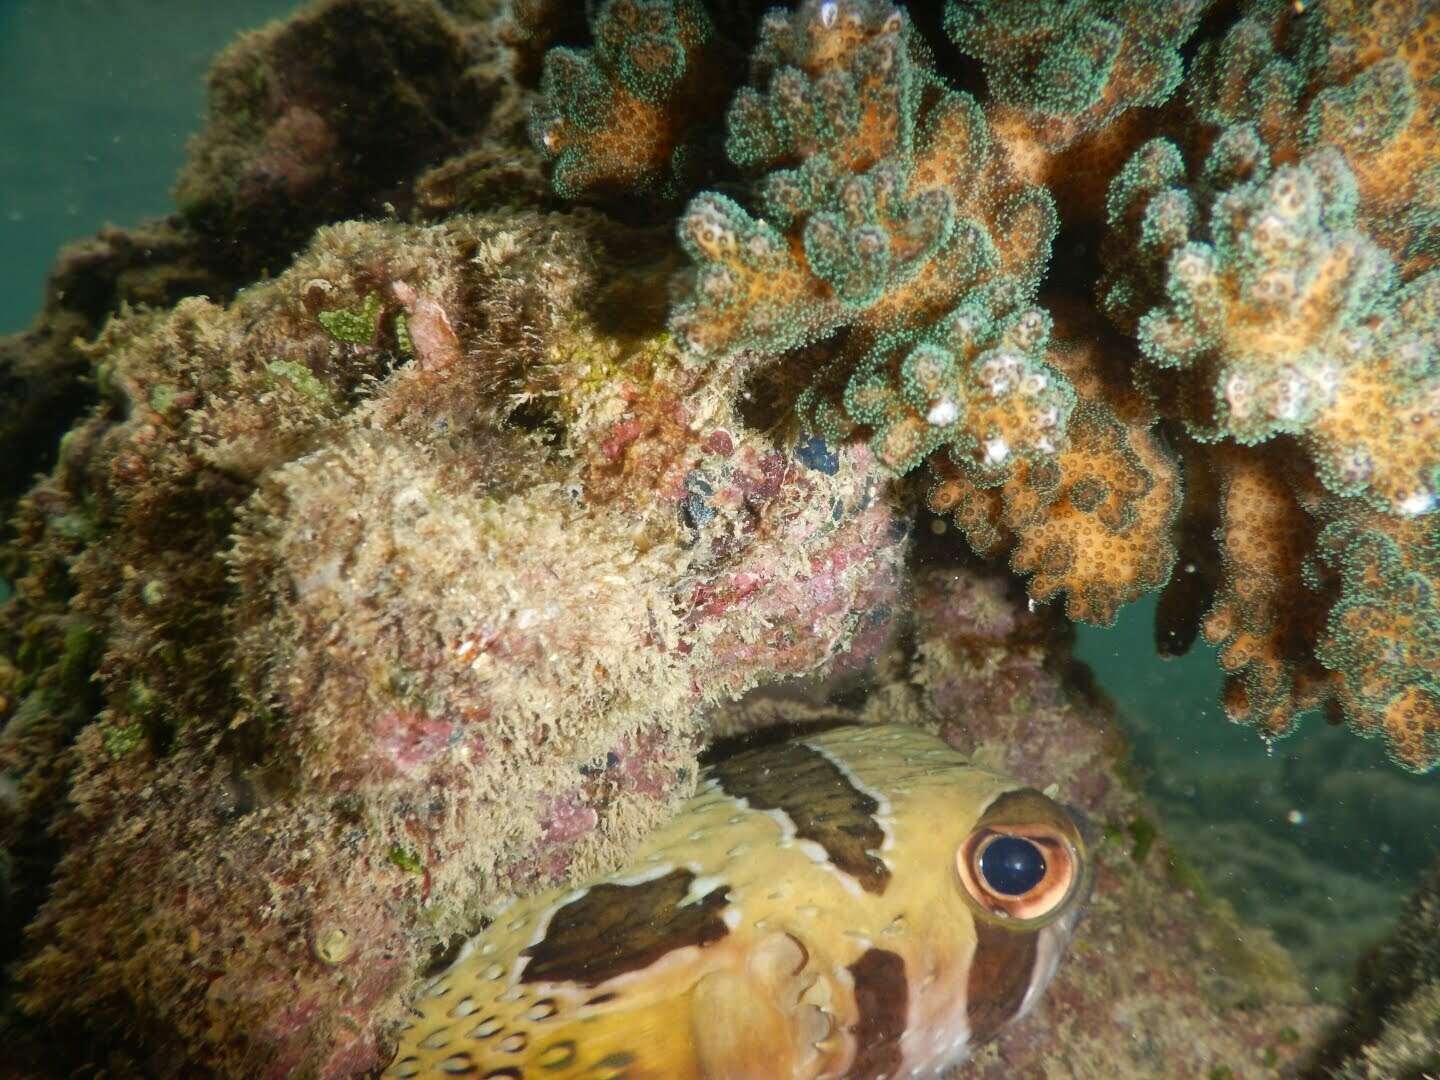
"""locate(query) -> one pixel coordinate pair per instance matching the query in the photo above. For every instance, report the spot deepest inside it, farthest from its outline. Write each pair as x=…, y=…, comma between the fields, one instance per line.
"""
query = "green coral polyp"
x=642, y=41
x=1283, y=316
x=1070, y=55
x=733, y=251
x=1384, y=633
x=1358, y=78
x=624, y=115
x=1366, y=114
x=802, y=114
x=1082, y=62
x=975, y=384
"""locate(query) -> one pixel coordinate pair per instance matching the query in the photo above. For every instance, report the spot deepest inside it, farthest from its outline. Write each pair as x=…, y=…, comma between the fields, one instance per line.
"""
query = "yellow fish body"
x=861, y=903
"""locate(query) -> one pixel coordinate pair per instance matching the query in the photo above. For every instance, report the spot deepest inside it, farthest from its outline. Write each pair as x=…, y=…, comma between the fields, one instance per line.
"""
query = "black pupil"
x=1012, y=865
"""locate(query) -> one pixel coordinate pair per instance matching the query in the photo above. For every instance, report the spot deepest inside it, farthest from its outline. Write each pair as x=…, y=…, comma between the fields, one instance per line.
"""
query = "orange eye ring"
x=1023, y=860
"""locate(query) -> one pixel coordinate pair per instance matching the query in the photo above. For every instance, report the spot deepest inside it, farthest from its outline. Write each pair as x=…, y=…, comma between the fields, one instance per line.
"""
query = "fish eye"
x=1011, y=865
x=1023, y=860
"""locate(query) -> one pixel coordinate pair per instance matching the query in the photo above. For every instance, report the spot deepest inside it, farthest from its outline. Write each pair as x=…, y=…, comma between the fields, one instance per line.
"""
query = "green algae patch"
x=77, y=660
x=351, y=326
x=599, y=359
x=1138, y=835
x=122, y=739
x=302, y=378
x=1142, y=833
x=402, y=336
x=407, y=860
x=163, y=397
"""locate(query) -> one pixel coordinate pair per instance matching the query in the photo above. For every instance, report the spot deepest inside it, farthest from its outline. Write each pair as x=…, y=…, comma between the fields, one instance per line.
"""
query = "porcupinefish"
x=862, y=903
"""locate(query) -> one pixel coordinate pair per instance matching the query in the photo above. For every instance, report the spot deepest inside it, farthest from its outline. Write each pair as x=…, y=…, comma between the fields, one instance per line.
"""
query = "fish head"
x=1023, y=870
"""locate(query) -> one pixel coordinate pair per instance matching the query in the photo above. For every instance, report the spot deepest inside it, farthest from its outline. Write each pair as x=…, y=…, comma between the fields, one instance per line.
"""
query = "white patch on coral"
x=1237, y=395
x=943, y=412
x=1416, y=504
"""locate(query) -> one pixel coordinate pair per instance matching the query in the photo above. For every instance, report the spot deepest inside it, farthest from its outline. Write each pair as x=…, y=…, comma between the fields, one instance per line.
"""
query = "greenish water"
x=100, y=98
x=1316, y=836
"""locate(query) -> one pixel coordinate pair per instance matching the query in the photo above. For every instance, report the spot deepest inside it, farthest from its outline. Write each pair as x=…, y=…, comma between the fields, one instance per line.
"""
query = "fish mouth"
x=1052, y=943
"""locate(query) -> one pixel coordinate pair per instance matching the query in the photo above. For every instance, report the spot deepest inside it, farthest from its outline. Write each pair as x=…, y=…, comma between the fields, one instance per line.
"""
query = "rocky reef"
x=1392, y=1027
x=622, y=397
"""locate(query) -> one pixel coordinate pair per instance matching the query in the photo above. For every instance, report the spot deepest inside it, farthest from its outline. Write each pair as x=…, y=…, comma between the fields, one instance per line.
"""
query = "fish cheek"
x=737, y=1028
x=1000, y=975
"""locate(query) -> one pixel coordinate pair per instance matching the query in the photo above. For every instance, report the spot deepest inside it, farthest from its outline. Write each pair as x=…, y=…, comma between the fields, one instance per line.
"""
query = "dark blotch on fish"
x=613, y=929
x=882, y=999
x=819, y=798
x=1000, y=974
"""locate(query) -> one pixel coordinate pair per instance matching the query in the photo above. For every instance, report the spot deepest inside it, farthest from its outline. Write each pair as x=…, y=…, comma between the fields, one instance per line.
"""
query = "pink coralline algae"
x=444, y=657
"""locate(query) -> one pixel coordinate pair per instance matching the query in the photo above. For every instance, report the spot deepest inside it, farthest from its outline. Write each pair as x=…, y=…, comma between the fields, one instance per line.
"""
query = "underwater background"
x=1316, y=836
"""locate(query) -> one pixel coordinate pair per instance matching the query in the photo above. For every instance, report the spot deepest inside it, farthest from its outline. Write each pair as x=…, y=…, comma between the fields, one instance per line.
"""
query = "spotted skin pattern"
x=801, y=918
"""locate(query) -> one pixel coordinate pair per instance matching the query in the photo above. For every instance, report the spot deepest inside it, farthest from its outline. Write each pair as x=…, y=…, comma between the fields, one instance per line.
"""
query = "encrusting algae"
x=395, y=588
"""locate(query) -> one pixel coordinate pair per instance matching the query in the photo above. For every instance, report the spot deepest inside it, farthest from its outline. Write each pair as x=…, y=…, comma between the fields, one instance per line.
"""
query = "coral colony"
x=515, y=402
x=1250, y=391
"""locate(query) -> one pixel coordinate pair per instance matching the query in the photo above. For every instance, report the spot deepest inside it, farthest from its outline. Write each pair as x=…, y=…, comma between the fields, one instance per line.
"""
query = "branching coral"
x=626, y=113
x=1264, y=611
x=1072, y=86
x=1085, y=62
x=897, y=232
x=1283, y=319
x=1359, y=76
x=1065, y=70
x=1267, y=318
x=1383, y=634
x=883, y=205
x=891, y=217
x=1095, y=521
